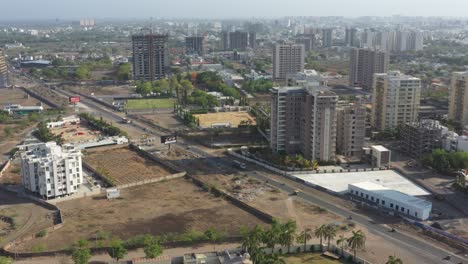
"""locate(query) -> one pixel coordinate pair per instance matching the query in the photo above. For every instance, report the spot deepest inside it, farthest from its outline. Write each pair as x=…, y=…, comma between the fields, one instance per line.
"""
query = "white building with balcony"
x=50, y=170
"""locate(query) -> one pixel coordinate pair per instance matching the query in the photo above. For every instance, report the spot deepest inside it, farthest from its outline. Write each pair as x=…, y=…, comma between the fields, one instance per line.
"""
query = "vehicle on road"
x=240, y=165
x=296, y=192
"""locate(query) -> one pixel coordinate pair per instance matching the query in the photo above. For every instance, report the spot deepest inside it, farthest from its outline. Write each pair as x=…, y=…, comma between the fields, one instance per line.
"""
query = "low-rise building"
x=23, y=110
x=391, y=200
x=381, y=156
x=50, y=170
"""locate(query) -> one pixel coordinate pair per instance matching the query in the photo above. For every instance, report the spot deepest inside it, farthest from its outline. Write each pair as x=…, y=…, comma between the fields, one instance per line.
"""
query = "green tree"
x=5, y=260
x=394, y=260
x=330, y=233
x=82, y=72
x=320, y=232
x=117, y=250
x=273, y=259
x=271, y=236
x=124, y=72
x=187, y=89
x=304, y=236
x=152, y=247
x=288, y=233
x=212, y=235
x=341, y=242
x=81, y=252
x=356, y=241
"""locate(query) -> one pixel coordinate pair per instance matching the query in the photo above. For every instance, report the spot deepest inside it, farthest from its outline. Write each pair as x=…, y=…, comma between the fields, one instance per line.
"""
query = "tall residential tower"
x=150, y=56
x=364, y=63
x=287, y=59
x=458, y=98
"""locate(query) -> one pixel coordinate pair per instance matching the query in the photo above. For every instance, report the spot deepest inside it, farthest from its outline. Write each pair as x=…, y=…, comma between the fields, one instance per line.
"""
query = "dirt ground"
x=16, y=96
x=124, y=165
x=29, y=217
x=233, y=118
x=166, y=120
x=12, y=176
x=166, y=207
x=103, y=90
x=75, y=133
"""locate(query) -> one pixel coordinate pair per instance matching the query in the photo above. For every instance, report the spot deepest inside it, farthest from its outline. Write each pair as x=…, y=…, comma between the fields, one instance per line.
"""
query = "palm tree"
x=288, y=234
x=252, y=239
x=330, y=233
x=320, y=233
x=341, y=242
x=272, y=236
x=394, y=260
x=304, y=236
x=357, y=241
x=274, y=259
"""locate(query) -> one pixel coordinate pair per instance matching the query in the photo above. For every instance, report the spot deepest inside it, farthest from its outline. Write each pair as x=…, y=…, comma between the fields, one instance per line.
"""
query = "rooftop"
x=380, y=148
x=391, y=194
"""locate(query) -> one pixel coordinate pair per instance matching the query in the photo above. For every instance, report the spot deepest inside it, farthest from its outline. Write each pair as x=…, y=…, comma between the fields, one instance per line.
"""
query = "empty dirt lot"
x=29, y=217
x=16, y=96
x=75, y=133
x=166, y=207
x=233, y=118
x=124, y=165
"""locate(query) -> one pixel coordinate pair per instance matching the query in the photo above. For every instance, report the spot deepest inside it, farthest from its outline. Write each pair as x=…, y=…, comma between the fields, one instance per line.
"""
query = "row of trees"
x=444, y=161
x=43, y=134
x=257, y=239
x=298, y=161
x=102, y=125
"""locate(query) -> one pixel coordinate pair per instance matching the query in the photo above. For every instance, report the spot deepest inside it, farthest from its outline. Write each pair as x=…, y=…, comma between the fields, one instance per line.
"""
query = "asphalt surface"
x=429, y=253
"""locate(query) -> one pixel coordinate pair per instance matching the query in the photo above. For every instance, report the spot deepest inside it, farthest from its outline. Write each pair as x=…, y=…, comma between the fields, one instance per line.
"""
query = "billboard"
x=74, y=99
x=169, y=139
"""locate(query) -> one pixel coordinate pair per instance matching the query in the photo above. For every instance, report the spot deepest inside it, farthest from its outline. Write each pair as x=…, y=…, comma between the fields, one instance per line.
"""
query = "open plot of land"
x=338, y=182
x=105, y=91
x=166, y=120
x=28, y=217
x=234, y=119
x=160, y=208
x=124, y=165
x=310, y=258
x=150, y=103
x=16, y=96
x=75, y=133
x=12, y=176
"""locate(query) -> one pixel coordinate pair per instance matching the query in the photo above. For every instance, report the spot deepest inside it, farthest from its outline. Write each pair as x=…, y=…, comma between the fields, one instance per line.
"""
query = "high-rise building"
x=195, y=45
x=303, y=120
x=3, y=71
x=307, y=40
x=392, y=41
x=50, y=170
x=327, y=37
x=287, y=59
x=363, y=64
x=350, y=129
x=350, y=37
x=395, y=100
x=238, y=40
x=150, y=56
x=458, y=98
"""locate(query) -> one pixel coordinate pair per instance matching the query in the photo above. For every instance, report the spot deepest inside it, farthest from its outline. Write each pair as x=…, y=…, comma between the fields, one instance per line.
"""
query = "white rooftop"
x=391, y=194
x=380, y=148
x=338, y=182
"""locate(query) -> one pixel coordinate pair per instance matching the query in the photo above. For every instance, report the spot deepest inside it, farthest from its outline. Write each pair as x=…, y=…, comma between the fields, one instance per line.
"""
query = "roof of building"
x=391, y=194
x=380, y=148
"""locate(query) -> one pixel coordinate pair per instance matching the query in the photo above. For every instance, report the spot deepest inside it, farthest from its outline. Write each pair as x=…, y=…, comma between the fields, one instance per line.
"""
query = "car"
x=296, y=192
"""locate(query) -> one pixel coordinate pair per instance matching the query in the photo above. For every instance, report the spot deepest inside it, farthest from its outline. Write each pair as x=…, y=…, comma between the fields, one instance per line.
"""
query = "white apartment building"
x=287, y=59
x=458, y=98
x=50, y=170
x=395, y=99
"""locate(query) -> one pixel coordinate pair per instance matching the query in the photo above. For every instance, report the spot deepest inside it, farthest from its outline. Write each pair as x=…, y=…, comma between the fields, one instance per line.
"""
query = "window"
x=403, y=209
x=378, y=200
x=383, y=202
x=397, y=207
x=416, y=214
x=372, y=198
x=367, y=196
x=391, y=205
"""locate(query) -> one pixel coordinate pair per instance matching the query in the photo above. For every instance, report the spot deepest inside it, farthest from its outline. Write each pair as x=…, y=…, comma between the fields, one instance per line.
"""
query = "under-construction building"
x=420, y=138
x=3, y=71
x=150, y=56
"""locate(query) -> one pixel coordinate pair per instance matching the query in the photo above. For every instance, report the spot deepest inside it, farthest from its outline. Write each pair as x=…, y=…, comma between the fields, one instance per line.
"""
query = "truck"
x=240, y=165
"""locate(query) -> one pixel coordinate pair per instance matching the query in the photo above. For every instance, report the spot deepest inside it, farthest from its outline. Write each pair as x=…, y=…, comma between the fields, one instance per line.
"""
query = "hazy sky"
x=24, y=9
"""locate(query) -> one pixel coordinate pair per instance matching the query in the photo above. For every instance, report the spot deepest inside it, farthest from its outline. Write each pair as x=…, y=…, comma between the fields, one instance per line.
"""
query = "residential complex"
x=303, y=120
x=458, y=98
x=351, y=37
x=395, y=99
x=3, y=71
x=350, y=130
x=195, y=45
x=150, y=56
x=50, y=170
x=363, y=64
x=392, y=41
x=287, y=59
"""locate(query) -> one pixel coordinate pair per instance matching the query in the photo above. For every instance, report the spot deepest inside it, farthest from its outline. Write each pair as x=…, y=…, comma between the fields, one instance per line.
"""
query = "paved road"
x=429, y=253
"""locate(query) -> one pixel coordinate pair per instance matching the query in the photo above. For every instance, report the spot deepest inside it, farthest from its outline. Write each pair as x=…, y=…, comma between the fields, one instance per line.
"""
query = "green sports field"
x=150, y=103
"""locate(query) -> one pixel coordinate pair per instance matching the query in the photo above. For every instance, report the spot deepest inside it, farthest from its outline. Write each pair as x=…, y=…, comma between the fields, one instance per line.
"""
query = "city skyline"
x=51, y=9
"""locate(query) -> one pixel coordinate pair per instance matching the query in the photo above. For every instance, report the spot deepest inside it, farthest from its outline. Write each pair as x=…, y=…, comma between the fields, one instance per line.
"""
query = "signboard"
x=74, y=99
x=170, y=139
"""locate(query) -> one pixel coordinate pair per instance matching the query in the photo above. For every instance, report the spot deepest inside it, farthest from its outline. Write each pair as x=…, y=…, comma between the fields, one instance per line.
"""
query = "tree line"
x=443, y=161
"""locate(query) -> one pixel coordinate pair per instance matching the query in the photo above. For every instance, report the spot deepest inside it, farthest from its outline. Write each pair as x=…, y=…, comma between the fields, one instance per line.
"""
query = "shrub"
x=41, y=233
